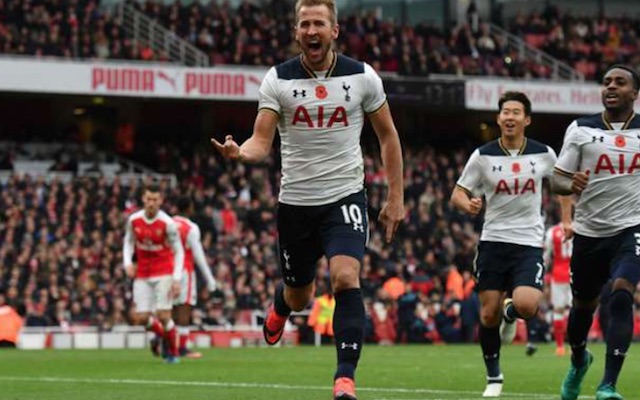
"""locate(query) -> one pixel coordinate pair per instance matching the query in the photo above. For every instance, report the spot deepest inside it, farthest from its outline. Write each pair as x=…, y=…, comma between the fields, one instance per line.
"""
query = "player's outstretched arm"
x=258, y=146
x=464, y=202
x=392, y=212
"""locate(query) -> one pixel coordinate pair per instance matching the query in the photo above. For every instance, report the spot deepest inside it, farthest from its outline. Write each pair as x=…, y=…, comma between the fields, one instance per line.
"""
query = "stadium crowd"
x=588, y=44
x=253, y=35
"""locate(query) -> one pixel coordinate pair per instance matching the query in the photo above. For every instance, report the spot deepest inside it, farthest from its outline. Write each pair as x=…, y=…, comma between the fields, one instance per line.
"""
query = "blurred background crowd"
x=250, y=34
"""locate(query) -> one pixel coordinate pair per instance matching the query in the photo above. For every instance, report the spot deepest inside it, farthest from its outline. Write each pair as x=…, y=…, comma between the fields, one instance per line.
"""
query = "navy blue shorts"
x=596, y=260
x=505, y=266
x=306, y=233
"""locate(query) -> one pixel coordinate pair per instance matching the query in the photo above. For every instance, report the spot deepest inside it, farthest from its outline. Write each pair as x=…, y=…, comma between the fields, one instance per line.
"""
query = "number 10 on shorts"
x=352, y=215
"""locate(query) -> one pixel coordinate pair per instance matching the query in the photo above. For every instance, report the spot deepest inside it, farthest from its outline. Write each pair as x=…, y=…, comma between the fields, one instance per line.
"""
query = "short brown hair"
x=331, y=5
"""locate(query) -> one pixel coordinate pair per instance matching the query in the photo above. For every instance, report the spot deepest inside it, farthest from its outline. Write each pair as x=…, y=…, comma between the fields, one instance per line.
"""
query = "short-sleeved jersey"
x=320, y=123
x=512, y=187
x=610, y=202
x=185, y=229
x=154, y=239
x=558, y=252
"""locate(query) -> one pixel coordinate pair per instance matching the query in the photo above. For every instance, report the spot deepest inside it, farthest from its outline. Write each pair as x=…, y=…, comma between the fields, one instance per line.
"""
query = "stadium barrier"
x=135, y=337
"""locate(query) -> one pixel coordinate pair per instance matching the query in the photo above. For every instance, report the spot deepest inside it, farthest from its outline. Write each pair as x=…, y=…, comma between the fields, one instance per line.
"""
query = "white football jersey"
x=512, y=187
x=321, y=119
x=610, y=202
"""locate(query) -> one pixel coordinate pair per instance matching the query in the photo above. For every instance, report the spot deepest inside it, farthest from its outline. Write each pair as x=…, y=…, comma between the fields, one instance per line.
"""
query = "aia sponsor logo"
x=515, y=186
x=626, y=163
x=324, y=118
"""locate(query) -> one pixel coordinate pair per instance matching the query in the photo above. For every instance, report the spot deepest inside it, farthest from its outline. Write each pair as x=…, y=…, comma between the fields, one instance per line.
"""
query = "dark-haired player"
x=154, y=237
x=600, y=162
x=193, y=255
x=509, y=173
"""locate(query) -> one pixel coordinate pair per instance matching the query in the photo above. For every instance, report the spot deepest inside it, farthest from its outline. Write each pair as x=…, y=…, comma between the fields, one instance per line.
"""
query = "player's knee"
x=527, y=310
x=585, y=304
x=621, y=302
x=622, y=284
x=141, y=318
x=490, y=318
x=298, y=299
x=345, y=279
x=298, y=304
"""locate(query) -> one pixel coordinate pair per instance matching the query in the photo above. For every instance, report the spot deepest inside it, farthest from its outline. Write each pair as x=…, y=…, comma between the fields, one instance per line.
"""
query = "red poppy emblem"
x=620, y=141
x=515, y=168
x=321, y=92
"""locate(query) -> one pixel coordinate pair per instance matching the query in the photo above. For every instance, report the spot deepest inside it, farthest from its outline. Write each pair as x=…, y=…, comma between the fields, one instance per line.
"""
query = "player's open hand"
x=391, y=215
x=579, y=182
x=229, y=149
x=475, y=205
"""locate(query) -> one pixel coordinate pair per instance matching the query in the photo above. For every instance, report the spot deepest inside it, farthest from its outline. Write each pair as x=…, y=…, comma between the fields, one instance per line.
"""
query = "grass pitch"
x=385, y=373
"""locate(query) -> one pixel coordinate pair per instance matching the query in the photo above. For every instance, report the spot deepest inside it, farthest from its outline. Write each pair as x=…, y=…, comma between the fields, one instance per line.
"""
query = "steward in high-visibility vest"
x=321, y=317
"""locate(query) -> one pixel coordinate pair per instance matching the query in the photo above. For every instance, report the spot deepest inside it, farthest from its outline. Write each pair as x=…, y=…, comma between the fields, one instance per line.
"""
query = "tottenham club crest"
x=346, y=88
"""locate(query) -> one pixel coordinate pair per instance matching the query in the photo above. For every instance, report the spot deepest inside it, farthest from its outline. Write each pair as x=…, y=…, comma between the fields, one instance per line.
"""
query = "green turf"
x=393, y=373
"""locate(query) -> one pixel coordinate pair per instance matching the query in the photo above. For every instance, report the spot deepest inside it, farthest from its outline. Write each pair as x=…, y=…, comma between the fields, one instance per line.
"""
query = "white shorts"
x=153, y=294
x=561, y=295
x=188, y=294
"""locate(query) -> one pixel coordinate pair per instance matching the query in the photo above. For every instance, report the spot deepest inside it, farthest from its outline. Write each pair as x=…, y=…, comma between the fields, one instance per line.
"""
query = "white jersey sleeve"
x=173, y=237
x=471, y=178
x=375, y=97
x=193, y=240
x=268, y=98
x=129, y=244
x=569, y=159
x=552, y=161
